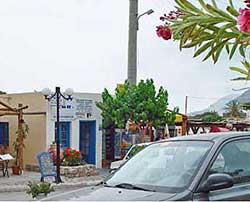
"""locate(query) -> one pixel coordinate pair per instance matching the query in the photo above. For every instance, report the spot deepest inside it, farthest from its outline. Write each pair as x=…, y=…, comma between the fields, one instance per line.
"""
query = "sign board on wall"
x=84, y=107
x=71, y=109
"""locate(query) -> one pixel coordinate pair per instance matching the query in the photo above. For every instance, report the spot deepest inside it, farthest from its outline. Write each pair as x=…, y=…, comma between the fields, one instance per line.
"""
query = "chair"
x=46, y=165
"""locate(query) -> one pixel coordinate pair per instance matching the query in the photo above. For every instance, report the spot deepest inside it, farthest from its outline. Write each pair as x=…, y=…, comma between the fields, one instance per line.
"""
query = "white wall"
x=75, y=126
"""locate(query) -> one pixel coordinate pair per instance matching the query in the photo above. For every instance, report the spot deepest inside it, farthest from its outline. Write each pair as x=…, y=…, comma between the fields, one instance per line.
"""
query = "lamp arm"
x=49, y=97
x=139, y=16
x=66, y=98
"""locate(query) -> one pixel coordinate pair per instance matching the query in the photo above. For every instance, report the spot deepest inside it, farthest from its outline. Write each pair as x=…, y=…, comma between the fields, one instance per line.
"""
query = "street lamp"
x=57, y=95
x=149, y=12
x=132, y=40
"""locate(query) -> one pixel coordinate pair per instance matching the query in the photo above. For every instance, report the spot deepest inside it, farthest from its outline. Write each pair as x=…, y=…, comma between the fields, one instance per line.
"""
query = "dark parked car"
x=209, y=167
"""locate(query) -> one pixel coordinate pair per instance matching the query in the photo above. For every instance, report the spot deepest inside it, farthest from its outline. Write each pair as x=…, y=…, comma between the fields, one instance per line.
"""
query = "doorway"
x=88, y=141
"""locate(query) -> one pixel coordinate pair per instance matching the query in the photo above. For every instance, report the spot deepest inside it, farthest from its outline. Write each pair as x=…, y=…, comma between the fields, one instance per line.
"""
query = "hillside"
x=219, y=106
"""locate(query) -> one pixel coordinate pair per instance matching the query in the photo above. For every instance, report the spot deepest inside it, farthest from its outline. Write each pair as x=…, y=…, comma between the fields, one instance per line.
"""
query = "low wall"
x=70, y=171
x=78, y=171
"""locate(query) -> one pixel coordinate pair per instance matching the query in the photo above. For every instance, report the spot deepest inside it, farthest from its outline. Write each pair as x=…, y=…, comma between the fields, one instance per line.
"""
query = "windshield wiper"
x=131, y=186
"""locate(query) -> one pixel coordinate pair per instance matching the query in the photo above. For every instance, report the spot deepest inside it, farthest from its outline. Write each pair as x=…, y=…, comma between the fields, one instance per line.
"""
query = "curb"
x=21, y=188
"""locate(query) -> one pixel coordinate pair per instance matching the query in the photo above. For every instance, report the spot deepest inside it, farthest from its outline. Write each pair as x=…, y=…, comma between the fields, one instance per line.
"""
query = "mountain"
x=244, y=97
x=219, y=106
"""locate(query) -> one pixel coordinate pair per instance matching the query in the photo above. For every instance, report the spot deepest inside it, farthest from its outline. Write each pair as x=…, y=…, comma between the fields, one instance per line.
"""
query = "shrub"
x=41, y=188
x=72, y=157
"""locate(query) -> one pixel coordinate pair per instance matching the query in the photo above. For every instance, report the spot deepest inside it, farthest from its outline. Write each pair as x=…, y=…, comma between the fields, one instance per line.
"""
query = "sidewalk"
x=17, y=183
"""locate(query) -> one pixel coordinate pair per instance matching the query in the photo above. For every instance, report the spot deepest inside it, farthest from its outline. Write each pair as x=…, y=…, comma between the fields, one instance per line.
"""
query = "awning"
x=215, y=129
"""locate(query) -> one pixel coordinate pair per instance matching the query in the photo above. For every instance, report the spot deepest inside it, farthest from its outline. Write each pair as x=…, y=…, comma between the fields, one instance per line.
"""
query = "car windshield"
x=167, y=166
x=134, y=150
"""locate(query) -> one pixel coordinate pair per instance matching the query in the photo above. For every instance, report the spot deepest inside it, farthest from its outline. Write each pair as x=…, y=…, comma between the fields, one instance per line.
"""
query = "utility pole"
x=132, y=41
x=186, y=103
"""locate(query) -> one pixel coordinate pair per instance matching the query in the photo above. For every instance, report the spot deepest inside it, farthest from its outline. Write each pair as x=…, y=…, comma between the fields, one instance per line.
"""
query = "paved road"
x=22, y=196
x=72, y=195
x=14, y=196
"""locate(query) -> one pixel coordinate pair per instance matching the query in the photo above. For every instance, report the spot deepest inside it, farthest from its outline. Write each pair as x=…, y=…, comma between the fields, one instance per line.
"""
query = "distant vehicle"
x=212, y=167
x=134, y=149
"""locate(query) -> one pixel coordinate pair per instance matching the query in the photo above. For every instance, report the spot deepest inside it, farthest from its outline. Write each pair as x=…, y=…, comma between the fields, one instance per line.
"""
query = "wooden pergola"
x=195, y=126
x=6, y=110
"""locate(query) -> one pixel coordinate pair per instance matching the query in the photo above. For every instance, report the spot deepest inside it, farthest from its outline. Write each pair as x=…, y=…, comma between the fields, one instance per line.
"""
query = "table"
x=4, y=162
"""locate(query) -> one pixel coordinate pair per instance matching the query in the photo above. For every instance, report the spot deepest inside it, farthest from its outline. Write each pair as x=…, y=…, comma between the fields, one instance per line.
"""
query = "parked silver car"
x=211, y=167
x=131, y=152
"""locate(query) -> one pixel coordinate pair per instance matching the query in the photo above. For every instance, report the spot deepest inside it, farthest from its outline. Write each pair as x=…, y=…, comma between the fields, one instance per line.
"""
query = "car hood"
x=118, y=194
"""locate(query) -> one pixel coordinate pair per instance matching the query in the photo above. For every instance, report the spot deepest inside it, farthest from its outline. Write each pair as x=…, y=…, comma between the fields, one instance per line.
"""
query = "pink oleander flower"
x=243, y=20
x=247, y=2
x=172, y=15
x=164, y=31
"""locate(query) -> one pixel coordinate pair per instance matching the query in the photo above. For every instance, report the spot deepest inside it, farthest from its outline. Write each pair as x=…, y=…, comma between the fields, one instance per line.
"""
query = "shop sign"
x=67, y=109
x=70, y=109
x=84, y=108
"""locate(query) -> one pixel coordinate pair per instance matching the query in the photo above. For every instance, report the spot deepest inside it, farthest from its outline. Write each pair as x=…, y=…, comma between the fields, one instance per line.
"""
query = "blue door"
x=64, y=134
x=88, y=141
x=4, y=134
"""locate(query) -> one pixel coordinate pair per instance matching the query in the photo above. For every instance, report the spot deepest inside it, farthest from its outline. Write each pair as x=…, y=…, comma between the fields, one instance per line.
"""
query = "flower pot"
x=104, y=164
x=52, y=150
x=16, y=170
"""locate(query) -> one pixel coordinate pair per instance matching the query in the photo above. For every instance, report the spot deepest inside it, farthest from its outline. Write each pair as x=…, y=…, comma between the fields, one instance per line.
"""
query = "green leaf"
x=239, y=79
x=213, y=51
x=239, y=70
x=187, y=34
x=233, y=11
x=184, y=26
x=218, y=51
x=233, y=49
x=246, y=65
x=189, y=6
x=203, y=48
x=227, y=48
x=203, y=5
x=198, y=41
x=242, y=51
x=231, y=3
x=214, y=3
x=221, y=13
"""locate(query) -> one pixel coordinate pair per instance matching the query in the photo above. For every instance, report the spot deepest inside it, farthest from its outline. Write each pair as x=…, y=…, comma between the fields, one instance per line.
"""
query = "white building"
x=80, y=125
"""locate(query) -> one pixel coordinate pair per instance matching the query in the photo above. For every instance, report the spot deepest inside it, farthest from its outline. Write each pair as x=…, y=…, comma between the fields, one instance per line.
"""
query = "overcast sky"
x=82, y=44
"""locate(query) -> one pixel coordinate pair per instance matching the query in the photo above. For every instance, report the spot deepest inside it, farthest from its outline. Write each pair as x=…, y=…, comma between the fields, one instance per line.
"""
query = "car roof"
x=143, y=144
x=211, y=136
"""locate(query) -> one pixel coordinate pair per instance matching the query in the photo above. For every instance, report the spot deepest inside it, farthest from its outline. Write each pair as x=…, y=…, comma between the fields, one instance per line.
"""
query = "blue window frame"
x=4, y=133
x=64, y=134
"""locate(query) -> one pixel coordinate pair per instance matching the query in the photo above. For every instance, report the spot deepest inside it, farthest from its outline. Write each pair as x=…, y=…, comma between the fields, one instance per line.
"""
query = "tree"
x=210, y=30
x=2, y=92
x=246, y=106
x=234, y=110
x=212, y=116
x=141, y=103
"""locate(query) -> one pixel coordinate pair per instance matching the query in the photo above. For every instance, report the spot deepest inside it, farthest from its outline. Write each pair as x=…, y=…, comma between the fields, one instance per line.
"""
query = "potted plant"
x=16, y=167
x=37, y=189
x=72, y=157
x=52, y=150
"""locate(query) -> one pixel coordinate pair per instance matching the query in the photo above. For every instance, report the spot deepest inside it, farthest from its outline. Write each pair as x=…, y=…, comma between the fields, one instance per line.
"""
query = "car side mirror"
x=216, y=182
x=113, y=170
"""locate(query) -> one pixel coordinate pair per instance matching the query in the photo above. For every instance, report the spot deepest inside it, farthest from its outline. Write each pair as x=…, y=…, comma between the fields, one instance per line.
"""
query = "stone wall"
x=70, y=171
x=79, y=171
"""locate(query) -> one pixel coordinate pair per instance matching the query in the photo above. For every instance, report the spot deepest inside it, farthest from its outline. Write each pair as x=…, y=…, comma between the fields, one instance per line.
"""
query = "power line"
x=204, y=98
